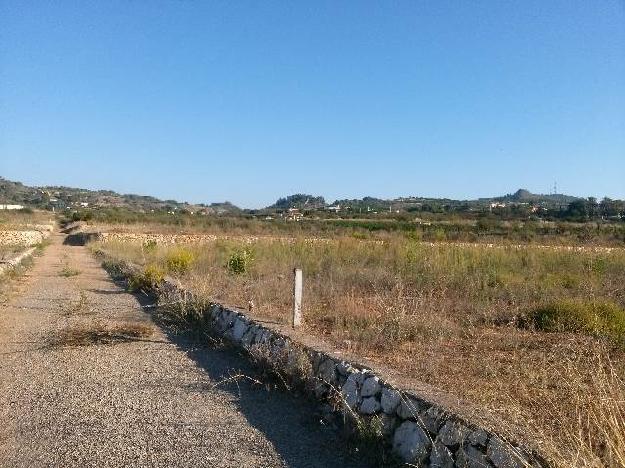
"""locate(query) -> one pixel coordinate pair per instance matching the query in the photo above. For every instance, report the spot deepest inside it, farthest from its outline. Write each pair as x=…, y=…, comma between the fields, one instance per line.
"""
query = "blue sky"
x=247, y=101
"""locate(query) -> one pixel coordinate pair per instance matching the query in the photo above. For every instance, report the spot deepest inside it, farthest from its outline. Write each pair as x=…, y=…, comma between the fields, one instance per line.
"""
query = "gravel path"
x=145, y=402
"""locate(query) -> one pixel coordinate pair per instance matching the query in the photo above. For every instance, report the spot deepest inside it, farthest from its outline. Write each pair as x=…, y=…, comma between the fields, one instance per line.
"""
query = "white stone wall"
x=6, y=265
x=23, y=238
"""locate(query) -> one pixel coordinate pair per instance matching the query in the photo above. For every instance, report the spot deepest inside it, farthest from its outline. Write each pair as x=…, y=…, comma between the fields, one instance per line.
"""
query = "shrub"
x=68, y=271
x=239, y=261
x=114, y=267
x=149, y=245
x=359, y=235
x=179, y=261
x=593, y=318
x=151, y=277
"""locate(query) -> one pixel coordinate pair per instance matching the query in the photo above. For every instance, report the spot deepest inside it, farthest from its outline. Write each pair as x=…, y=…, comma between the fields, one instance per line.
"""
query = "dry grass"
x=68, y=272
x=589, y=431
x=21, y=220
x=97, y=334
x=9, y=251
x=438, y=227
x=448, y=315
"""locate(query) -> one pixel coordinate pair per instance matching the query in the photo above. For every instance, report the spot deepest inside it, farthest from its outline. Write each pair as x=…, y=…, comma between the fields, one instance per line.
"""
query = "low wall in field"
x=24, y=238
x=142, y=238
x=420, y=431
x=16, y=260
x=164, y=239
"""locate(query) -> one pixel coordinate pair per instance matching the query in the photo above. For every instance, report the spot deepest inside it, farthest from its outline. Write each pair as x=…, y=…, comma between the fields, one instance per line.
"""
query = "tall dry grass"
x=449, y=316
x=582, y=424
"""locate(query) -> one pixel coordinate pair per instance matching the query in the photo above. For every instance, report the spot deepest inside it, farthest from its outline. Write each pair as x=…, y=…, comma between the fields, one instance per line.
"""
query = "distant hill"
x=365, y=204
x=18, y=194
x=59, y=197
x=525, y=196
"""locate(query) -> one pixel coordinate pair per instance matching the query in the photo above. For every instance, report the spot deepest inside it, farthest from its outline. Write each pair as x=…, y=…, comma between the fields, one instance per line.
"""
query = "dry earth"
x=148, y=400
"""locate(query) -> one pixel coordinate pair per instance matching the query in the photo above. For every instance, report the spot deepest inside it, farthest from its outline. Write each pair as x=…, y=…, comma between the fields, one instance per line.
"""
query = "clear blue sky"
x=250, y=100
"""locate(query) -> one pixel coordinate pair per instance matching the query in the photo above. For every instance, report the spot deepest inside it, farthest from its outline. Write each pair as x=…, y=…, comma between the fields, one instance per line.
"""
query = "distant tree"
x=577, y=210
x=299, y=200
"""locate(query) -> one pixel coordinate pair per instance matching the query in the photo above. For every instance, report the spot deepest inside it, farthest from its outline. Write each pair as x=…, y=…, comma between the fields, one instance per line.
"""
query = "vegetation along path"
x=88, y=379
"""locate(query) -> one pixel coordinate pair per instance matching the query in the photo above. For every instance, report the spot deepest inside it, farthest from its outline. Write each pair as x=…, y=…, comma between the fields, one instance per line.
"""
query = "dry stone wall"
x=24, y=238
x=164, y=239
x=421, y=432
x=157, y=238
x=203, y=238
x=6, y=265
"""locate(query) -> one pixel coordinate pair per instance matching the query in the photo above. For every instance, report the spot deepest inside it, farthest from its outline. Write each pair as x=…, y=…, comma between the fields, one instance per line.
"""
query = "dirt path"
x=146, y=402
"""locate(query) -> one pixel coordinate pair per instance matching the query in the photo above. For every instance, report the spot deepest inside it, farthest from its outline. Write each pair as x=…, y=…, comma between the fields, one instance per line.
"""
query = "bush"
x=240, y=261
x=149, y=245
x=151, y=277
x=179, y=261
x=594, y=318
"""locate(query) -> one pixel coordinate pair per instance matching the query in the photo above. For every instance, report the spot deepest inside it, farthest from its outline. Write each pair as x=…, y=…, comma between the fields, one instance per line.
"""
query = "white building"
x=11, y=207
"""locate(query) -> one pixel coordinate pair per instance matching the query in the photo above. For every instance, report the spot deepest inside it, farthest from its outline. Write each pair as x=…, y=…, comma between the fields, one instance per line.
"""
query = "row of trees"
x=590, y=208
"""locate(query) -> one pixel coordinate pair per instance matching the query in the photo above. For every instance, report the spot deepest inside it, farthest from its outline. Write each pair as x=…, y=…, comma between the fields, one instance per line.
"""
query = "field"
x=9, y=251
x=535, y=335
x=12, y=221
x=24, y=219
x=426, y=226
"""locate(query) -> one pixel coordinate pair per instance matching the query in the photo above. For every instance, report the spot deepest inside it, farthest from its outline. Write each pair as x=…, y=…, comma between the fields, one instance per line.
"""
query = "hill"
x=60, y=197
x=300, y=201
x=525, y=196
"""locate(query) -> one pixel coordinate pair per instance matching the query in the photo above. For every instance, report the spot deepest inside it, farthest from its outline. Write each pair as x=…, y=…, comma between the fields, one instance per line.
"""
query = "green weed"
x=605, y=319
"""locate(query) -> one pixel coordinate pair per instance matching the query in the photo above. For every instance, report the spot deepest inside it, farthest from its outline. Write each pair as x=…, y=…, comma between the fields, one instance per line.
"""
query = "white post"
x=297, y=298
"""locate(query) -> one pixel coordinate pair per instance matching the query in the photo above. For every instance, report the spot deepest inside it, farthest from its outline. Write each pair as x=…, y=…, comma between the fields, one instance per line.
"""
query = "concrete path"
x=145, y=402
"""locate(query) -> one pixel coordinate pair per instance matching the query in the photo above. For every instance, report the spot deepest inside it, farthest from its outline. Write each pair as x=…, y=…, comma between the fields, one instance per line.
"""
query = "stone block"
x=470, y=457
x=371, y=387
x=504, y=455
x=411, y=443
x=369, y=405
x=390, y=400
x=452, y=434
x=441, y=456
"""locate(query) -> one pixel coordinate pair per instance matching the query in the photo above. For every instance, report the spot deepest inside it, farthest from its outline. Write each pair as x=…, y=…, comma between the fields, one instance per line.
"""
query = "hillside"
x=60, y=197
x=525, y=196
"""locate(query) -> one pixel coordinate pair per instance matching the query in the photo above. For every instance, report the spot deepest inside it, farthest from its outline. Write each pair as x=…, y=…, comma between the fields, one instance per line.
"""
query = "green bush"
x=179, y=261
x=149, y=245
x=151, y=277
x=239, y=261
x=593, y=318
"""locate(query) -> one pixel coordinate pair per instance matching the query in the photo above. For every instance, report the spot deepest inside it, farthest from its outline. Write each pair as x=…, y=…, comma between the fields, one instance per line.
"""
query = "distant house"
x=294, y=215
x=336, y=208
x=11, y=207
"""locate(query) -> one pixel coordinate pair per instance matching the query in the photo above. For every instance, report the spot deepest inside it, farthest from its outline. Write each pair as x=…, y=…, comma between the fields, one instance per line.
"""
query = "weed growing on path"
x=97, y=333
x=68, y=272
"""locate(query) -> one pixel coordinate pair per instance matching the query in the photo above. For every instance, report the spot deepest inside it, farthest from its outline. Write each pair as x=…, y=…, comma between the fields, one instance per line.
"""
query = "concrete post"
x=297, y=297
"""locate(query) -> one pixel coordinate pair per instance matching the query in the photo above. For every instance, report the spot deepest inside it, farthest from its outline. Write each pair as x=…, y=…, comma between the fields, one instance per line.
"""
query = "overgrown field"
x=24, y=219
x=16, y=221
x=537, y=336
x=429, y=228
